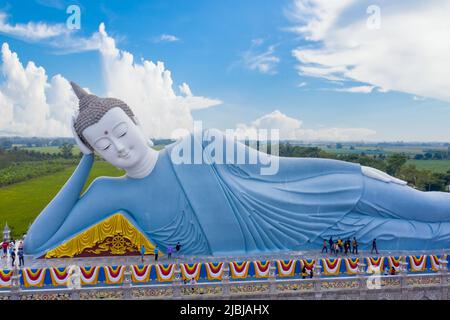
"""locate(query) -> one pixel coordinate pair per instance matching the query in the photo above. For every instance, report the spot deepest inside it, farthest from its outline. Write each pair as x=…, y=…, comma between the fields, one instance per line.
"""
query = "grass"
x=433, y=165
x=22, y=202
x=51, y=150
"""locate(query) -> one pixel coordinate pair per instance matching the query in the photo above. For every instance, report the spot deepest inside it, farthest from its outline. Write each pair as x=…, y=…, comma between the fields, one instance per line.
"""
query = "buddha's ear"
x=138, y=124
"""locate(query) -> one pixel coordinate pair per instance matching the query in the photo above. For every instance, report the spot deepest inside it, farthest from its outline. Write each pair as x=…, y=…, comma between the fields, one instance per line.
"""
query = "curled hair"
x=93, y=108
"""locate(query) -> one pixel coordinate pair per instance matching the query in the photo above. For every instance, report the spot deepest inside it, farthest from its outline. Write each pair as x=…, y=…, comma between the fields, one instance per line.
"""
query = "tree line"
x=395, y=165
x=17, y=164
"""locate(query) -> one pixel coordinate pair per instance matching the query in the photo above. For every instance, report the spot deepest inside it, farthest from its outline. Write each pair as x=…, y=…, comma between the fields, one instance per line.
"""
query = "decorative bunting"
x=190, y=271
x=375, y=264
x=434, y=262
x=395, y=262
x=214, y=270
x=262, y=269
x=140, y=273
x=89, y=275
x=417, y=263
x=239, y=270
x=114, y=274
x=5, y=278
x=331, y=266
x=165, y=272
x=33, y=277
x=286, y=268
x=308, y=263
x=351, y=265
x=59, y=276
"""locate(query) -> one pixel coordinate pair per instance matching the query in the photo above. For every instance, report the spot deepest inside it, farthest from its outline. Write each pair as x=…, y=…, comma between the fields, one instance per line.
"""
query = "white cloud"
x=167, y=38
x=408, y=53
x=33, y=105
x=302, y=84
x=147, y=87
x=358, y=89
x=30, y=105
x=291, y=129
x=263, y=61
x=31, y=31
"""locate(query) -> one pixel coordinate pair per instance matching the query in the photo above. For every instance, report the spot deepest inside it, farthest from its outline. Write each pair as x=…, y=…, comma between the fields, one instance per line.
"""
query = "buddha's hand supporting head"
x=109, y=127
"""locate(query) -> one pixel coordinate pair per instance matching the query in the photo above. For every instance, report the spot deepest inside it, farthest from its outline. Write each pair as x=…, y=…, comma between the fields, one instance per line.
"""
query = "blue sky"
x=242, y=53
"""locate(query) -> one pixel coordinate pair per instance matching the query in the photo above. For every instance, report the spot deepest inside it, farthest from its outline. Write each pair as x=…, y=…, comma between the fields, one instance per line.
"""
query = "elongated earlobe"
x=138, y=124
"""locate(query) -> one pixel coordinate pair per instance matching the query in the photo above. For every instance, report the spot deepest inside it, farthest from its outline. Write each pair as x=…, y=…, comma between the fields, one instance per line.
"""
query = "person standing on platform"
x=5, y=245
x=156, y=253
x=169, y=251
x=324, y=247
x=340, y=245
x=331, y=243
x=12, y=254
x=142, y=253
x=374, y=246
x=178, y=247
x=21, y=260
x=355, y=246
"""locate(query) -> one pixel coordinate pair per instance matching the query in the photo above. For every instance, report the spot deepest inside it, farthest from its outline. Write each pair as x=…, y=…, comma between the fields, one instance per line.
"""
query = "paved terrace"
x=30, y=262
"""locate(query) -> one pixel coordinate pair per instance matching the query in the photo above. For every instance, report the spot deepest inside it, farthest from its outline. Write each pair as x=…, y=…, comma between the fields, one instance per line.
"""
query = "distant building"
x=6, y=232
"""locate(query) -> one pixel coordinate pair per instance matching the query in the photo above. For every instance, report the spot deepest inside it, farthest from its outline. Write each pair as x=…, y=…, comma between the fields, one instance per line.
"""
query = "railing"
x=273, y=285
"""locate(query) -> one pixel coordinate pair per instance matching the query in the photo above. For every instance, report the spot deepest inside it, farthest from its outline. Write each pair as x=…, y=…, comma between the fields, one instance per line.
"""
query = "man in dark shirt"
x=374, y=246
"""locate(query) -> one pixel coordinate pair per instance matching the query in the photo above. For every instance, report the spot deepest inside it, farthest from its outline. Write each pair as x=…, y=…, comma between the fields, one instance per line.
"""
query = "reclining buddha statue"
x=225, y=208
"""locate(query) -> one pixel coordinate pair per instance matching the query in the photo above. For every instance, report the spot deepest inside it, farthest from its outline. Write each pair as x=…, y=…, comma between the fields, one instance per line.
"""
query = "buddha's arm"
x=53, y=216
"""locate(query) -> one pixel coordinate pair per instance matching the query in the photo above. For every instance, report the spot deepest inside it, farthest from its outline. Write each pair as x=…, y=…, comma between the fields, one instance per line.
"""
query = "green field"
x=22, y=202
x=51, y=150
x=441, y=166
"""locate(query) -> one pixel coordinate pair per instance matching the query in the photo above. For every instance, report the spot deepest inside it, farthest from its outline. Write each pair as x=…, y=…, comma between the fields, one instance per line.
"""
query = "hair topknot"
x=92, y=109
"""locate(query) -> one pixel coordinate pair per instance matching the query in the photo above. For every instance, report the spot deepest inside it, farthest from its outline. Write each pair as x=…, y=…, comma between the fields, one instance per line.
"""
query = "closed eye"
x=123, y=134
x=107, y=147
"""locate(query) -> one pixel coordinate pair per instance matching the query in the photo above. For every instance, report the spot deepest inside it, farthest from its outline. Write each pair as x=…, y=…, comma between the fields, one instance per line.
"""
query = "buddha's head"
x=109, y=127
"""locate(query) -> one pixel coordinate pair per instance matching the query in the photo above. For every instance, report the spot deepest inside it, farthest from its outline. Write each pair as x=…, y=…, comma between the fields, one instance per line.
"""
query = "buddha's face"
x=117, y=139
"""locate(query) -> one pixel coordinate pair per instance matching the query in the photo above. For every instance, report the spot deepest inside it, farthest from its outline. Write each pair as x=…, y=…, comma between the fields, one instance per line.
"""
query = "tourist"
x=12, y=254
x=340, y=245
x=311, y=273
x=169, y=251
x=336, y=248
x=21, y=260
x=392, y=271
x=324, y=247
x=331, y=243
x=355, y=246
x=5, y=245
x=142, y=253
x=178, y=247
x=374, y=246
x=156, y=253
x=304, y=272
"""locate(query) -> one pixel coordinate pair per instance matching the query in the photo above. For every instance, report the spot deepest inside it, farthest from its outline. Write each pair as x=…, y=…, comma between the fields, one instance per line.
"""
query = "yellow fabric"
x=116, y=226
